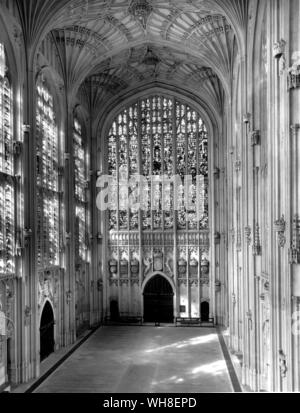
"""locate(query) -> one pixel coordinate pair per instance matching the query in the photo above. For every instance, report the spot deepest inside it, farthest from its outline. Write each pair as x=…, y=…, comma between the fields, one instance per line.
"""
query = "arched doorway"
x=114, y=310
x=47, y=332
x=158, y=301
x=205, y=311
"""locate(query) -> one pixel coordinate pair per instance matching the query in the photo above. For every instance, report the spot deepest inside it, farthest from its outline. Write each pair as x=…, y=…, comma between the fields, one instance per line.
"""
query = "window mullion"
x=151, y=161
x=128, y=166
x=174, y=135
x=186, y=194
x=197, y=167
x=140, y=170
x=118, y=178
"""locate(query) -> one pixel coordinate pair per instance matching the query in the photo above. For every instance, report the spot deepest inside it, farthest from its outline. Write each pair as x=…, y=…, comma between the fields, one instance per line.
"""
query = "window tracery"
x=7, y=190
x=159, y=136
x=80, y=191
x=47, y=177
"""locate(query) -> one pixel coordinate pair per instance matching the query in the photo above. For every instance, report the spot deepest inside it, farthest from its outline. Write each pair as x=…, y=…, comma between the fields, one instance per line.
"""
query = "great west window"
x=159, y=136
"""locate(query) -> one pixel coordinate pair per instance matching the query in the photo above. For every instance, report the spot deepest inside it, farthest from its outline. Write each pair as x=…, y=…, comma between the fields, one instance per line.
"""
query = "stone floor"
x=144, y=360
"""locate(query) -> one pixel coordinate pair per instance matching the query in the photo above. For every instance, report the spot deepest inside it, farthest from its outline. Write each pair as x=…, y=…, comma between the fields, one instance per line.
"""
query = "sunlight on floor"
x=144, y=360
x=174, y=379
x=215, y=368
x=191, y=342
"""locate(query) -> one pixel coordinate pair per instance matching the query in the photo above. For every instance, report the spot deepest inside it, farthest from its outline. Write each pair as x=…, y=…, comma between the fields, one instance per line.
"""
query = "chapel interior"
x=98, y=89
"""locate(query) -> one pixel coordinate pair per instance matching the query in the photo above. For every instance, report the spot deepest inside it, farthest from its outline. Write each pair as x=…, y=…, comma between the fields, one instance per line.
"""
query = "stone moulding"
x=140, y=10
x=218, y=286
x=293, y=81
x=279, y=49
x=113, y=281
x=257, y=246
x=26, y=128
x=217, y=238
x=279, y=228
x=248, y=234
x=217, y=173
x=295, y=248
x=246, y=118
x=293, y=78
x=17, y=148
x=255, y=137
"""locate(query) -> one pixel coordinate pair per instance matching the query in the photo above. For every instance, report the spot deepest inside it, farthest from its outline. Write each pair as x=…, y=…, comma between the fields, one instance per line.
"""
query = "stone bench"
x=124, y=320
x=194, y=321
x=187, y=321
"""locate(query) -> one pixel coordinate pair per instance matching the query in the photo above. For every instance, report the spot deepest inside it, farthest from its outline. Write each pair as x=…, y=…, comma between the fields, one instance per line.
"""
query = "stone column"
x=69, y=279
x=30, y=332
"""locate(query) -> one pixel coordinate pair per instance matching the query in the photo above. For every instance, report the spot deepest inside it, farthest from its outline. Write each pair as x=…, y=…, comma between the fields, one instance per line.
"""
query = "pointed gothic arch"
x=47, y=339
x=158, y=296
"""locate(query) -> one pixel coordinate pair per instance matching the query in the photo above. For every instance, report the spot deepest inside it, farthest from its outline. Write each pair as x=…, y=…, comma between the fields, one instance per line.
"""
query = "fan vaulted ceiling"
x=117, y=44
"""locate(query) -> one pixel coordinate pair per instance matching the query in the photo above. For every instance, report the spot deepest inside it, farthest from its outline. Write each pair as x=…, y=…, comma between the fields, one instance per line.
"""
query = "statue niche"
x=147, y=262
x=113, y=267
x=169, y=264
x=182, y=265
x=158, y=261
x=205, y=271
x=123, y=268
x=194, y=268
x=134, y=268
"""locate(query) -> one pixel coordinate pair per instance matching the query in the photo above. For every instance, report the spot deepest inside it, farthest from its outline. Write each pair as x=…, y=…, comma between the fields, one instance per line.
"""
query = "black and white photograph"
x=149, y=200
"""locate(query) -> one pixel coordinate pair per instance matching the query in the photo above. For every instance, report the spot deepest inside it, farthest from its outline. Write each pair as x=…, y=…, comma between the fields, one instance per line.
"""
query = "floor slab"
x=144, y=360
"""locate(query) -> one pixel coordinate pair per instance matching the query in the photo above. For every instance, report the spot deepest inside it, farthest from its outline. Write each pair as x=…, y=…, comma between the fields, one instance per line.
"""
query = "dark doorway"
x=205, y=311
x=114, y=310
x=47, y=332
x=158, y=301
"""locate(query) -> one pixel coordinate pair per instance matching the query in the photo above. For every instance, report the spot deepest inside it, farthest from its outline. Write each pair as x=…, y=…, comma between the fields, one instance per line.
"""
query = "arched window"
x=47, y=177
x=80, y=191
x=154, y=137
x=7, y=192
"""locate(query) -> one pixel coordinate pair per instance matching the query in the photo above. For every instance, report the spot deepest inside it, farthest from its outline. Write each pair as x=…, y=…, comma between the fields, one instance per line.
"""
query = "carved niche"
x=248, y=235
x=46, y=288
x=182, y=265
x=295, y=250
x=217, y=238
x=294, y=72
x=158, y=264
x=123, y=268
x=169, y=270
x=113, y=267
x=194, y=267
x=218, y=286
x=279, y=228
x=279, y=49
x=282, y=364
x=99, y=285
x=204, y=271
x=205, y=267
x=147, y=262
x=134, y=267
x=255, y=137
x=279, y=54
x=256, y=244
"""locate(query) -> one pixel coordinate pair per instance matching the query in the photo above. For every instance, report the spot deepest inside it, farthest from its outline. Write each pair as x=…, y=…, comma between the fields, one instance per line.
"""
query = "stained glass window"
x=155, y=137
x=47, y=177
x=7, y=193
x=80, y=191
